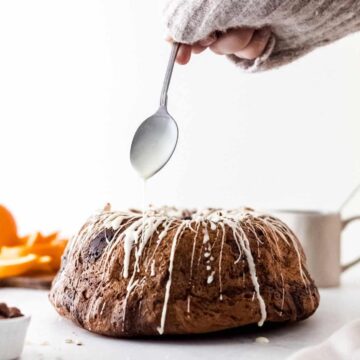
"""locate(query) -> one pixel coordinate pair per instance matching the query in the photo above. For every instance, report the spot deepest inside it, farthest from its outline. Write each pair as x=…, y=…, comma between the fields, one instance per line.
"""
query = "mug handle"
x=345, y=223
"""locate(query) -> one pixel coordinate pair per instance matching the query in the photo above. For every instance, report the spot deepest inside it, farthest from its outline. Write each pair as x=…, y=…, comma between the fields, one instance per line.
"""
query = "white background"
x=78, y=76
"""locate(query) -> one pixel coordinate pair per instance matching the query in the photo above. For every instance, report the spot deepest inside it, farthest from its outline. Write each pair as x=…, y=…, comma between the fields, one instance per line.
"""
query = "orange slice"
x=8, y=230
x=54, y=250
x=43, y=264
x=18, y=266
x=38, y=238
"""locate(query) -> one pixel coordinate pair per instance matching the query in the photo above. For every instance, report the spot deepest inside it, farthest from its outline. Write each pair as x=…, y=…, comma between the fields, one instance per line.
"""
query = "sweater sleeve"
x=298, y=26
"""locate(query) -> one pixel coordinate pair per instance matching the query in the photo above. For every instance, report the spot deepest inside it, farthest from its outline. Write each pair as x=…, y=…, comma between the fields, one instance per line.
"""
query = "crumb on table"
x=262, y=340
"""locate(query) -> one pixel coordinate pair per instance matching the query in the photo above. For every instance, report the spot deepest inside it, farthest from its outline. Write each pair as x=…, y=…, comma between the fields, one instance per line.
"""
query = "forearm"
x=298, y=26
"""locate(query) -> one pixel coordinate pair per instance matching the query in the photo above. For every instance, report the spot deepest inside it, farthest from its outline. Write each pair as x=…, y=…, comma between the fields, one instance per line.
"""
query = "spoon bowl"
x=154, y=143
x=155, y=140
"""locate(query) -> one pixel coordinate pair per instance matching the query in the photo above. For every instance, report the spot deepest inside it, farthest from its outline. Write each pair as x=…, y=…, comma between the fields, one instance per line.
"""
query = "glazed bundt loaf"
x=181, y=272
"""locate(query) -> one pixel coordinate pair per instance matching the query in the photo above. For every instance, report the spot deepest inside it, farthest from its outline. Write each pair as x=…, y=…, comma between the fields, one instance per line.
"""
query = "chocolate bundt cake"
x=182, y=272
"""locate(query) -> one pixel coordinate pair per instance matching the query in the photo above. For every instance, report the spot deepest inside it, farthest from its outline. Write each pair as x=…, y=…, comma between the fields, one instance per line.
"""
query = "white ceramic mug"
x=320, y=234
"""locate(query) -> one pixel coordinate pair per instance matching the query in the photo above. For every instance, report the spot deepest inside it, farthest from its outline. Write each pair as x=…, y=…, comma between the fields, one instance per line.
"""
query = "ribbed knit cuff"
x=258, y=64
x=191, y=21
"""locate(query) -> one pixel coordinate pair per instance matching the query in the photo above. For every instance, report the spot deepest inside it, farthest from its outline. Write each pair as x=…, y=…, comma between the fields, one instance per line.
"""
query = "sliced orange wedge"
x=43, y=264
x=39, y=238
x=54, y=248
x=18, y=266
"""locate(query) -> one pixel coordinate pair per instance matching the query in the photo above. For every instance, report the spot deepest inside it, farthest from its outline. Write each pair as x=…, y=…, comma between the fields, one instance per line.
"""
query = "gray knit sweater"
x=298, y=26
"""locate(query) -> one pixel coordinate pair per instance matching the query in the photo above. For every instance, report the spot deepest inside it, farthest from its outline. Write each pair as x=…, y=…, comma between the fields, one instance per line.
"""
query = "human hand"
x=244, y=43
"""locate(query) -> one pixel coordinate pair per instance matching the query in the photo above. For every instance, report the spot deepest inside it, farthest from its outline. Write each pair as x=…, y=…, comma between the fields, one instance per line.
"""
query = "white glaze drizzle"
x=166, y=227
x=115, y=224
x=206, y=233
x=152, y=273
x=210, y=278
x=178, y=233
x=102, y=308
x=220, y=260
x=283, y=293
x=240, y=235
x=192, y=266
x=188, y=306
x=130, y=236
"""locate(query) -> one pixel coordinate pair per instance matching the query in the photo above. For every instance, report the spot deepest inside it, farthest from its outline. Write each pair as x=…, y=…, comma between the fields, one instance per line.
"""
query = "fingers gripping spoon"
x=155, y=140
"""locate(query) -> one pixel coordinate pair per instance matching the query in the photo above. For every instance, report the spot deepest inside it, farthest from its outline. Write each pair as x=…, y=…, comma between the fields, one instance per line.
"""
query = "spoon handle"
x=169, y=70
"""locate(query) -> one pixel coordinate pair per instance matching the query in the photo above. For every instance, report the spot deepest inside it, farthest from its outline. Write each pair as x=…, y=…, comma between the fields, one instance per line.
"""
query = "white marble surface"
x=48, y=333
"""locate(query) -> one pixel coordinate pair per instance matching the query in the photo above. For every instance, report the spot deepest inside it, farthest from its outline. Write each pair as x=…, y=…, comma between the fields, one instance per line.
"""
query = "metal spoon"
x=155, y=139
